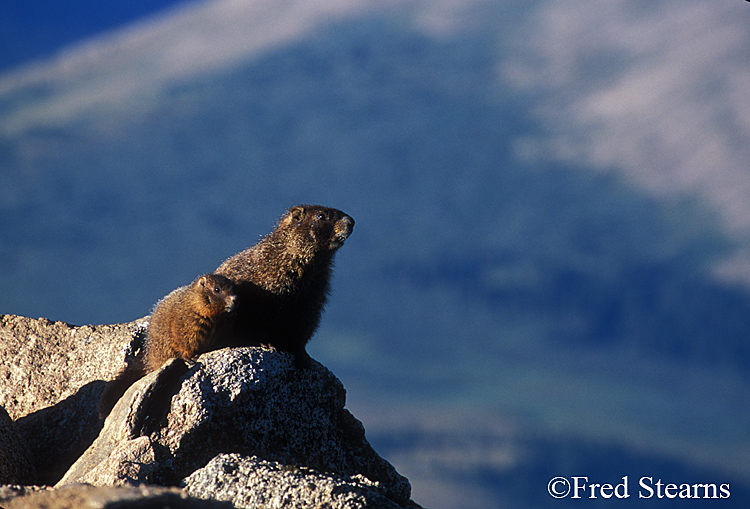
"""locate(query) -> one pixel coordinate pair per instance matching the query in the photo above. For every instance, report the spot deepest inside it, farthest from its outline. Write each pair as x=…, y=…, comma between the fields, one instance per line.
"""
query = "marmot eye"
x=217, y=289
x=320, y=216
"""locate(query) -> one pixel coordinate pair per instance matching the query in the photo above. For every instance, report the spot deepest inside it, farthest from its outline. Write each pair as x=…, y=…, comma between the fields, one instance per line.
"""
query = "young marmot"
x=283, y=281
x=190, y=320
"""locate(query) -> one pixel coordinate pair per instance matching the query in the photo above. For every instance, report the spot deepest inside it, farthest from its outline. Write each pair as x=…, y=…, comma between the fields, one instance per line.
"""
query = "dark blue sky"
x=35, y=29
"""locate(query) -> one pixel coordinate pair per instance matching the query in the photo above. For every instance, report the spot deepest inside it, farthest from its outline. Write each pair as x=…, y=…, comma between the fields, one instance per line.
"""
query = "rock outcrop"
x=275, y=485
x=52, y=376
x=242, y=426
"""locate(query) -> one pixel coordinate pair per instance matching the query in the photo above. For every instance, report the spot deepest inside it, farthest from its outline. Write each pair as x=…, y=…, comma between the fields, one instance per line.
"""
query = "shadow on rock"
x=59, y=434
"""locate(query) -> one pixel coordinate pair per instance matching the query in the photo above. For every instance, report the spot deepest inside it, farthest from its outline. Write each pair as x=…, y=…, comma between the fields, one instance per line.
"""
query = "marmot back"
x=283, y=281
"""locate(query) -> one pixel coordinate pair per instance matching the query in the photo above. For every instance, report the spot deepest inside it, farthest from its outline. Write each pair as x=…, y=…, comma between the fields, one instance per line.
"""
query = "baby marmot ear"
x=297, y=213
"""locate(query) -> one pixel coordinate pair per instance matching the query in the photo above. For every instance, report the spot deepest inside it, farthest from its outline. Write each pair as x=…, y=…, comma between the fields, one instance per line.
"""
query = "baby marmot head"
x=217, y=292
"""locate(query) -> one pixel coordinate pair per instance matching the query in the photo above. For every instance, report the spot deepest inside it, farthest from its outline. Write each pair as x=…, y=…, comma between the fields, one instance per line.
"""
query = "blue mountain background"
x=498, y=320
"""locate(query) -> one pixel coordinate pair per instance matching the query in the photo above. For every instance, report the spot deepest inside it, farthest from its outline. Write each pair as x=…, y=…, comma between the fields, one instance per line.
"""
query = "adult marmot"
x=283, y=281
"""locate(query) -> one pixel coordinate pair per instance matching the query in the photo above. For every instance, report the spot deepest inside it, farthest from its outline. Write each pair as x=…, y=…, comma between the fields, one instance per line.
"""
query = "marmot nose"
x=347, y=222
x=231, y=301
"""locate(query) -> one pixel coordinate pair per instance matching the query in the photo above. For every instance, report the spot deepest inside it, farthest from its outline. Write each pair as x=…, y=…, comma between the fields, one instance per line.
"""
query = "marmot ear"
x=297, y=212
x=202, y=281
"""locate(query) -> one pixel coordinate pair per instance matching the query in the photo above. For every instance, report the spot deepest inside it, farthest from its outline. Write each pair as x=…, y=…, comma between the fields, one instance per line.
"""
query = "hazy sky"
x=655, y=89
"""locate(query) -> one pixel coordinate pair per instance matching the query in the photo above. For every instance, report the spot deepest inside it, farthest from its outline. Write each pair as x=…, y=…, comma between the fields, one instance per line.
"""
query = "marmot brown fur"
x=187, y=322
x=283, y=281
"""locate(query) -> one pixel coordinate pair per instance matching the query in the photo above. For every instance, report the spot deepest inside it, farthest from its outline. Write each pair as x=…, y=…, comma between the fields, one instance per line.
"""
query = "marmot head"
x=312, y=228
x=217, y=292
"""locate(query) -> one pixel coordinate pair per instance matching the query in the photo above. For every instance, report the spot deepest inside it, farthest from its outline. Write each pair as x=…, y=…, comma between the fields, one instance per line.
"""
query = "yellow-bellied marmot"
x=283, y=281
x=189, y=321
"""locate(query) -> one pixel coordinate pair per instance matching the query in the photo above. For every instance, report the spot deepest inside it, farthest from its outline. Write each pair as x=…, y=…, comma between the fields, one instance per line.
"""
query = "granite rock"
x=279, y=433
x=244, y=400
x=77, y=496
x=16, y=462
x=52, y=375
x=250, y=483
